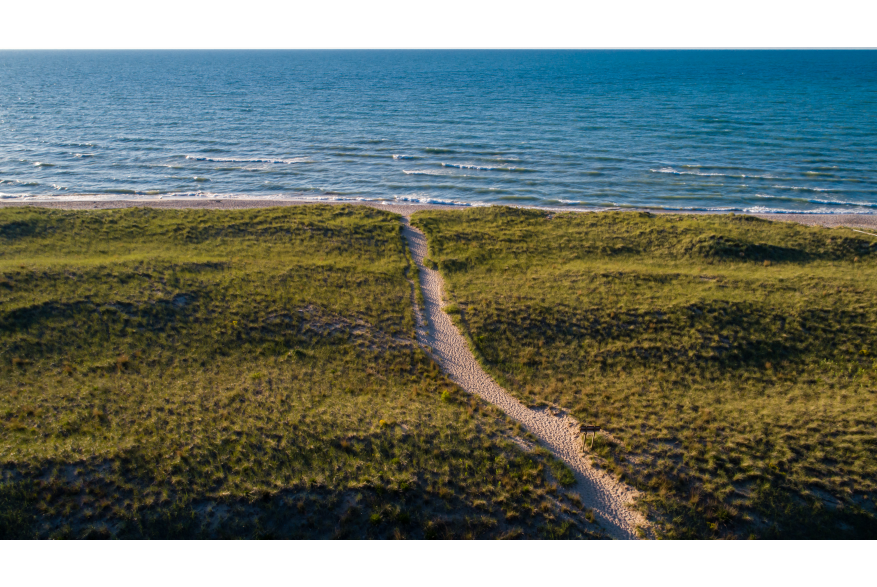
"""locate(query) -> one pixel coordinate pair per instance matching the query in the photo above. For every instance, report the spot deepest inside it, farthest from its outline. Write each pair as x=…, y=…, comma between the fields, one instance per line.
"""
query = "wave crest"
x=819, y=201
x=672, y=171
x=423, y=172
x=233, y=160
x=486, y=167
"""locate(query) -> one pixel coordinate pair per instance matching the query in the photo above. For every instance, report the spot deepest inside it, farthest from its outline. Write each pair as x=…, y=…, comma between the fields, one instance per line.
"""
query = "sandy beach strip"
x=862, y=221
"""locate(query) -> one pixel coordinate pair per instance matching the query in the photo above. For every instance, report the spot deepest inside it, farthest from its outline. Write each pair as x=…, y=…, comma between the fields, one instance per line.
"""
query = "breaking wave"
x=818, y=201
x=232, y=160
x=486, y=167
x=672, y=171
x=417, y=199
x=802, y=188
x=18, y=182
x=424, y=172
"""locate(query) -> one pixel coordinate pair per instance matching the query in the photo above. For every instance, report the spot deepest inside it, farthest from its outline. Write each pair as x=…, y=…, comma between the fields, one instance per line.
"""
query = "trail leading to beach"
x=556, y=431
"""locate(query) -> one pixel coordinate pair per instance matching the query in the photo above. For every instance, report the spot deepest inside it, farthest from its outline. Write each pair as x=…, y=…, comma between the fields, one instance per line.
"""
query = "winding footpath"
x=556, y=430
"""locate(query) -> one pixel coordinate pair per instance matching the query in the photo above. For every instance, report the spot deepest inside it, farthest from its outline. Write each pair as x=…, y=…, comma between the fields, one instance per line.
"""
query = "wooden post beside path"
x=586, y=429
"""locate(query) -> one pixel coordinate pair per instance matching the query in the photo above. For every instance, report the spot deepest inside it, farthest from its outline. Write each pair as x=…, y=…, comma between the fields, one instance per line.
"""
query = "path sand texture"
x=558, y=432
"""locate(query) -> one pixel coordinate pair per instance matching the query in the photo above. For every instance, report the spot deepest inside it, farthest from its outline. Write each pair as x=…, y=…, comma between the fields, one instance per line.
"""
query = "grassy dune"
x=733, y=360
x=239, y=374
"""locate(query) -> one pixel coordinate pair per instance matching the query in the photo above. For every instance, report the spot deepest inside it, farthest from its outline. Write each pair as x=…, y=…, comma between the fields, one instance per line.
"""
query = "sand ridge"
x=556, y=430
x=866, y=221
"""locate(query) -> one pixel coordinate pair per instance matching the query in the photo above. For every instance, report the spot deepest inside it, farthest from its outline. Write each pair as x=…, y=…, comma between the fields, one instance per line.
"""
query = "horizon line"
x=439, y=49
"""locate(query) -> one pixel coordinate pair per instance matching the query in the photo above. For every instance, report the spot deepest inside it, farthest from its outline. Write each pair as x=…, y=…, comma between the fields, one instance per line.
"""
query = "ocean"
x=747, y=131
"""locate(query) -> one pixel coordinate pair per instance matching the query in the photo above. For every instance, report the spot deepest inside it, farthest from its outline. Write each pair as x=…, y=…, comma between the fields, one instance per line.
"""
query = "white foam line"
x=426, y=172
x=712, y=174
x=230, y=160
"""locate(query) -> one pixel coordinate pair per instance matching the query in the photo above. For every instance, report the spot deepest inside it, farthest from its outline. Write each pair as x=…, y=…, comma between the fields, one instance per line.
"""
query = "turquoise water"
x=694, y=130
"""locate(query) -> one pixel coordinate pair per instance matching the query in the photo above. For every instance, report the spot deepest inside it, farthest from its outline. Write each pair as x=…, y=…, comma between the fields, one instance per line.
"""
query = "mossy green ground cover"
x=239, y=374
x=732, y=359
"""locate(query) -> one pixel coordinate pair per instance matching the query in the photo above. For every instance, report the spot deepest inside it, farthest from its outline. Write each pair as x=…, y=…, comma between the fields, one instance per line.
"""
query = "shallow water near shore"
x=747, y=131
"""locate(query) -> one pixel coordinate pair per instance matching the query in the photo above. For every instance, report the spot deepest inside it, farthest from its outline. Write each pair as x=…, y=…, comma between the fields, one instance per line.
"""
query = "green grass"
x=239, y=374
x=733, y=359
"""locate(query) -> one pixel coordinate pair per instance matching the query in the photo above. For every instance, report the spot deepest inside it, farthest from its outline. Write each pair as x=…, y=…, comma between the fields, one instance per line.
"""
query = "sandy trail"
x=558, y=432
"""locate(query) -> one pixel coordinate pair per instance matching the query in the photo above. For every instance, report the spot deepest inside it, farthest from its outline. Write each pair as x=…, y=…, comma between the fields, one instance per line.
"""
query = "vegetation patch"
x=213, y=374
x=733, y=360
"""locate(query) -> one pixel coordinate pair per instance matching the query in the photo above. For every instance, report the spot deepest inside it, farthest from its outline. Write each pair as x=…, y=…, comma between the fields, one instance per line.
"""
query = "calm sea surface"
x=692, y=130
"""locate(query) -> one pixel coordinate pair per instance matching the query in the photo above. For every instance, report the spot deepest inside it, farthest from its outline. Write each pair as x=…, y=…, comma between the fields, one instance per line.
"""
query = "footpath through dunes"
x=608, y=498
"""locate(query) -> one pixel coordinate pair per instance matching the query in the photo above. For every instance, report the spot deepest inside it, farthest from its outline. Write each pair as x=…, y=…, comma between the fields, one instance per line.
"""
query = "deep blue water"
x=706, y=130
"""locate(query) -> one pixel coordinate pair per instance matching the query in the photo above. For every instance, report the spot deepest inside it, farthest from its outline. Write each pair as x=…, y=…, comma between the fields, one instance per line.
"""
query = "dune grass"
x=240, y=374
x=733, y=360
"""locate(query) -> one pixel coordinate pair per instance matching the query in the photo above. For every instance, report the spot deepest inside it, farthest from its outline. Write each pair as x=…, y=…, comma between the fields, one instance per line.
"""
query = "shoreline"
x=868, y=221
